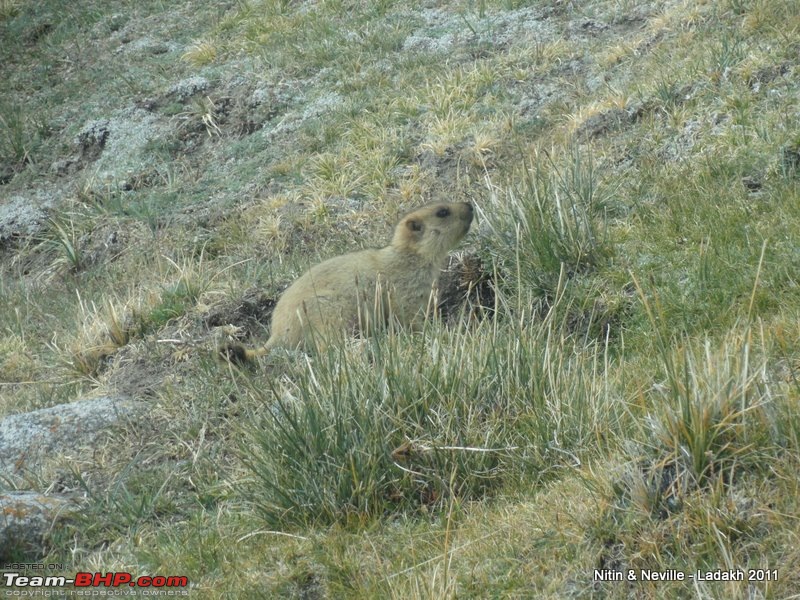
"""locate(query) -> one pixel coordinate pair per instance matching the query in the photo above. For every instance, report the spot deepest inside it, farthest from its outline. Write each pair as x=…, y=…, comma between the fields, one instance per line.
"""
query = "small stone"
x=25, y=520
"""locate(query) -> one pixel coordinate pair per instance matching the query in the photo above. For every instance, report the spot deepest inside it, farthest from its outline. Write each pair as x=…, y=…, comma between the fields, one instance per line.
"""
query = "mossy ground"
x=629, y=402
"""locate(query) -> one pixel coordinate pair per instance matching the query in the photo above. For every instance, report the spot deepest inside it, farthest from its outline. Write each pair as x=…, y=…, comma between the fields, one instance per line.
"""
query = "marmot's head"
x=431, y=231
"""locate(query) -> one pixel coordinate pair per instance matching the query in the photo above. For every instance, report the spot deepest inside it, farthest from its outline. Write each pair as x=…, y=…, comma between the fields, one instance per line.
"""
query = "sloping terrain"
x=613, y=386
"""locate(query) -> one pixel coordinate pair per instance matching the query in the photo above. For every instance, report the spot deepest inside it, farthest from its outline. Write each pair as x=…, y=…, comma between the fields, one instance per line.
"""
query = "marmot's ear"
x=415, y=225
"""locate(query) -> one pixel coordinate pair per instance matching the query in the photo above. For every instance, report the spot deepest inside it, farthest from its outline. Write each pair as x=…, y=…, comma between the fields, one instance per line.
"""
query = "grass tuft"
x=18, y=139
x=9, y=8
x=363, y=433
x=66, y=239
x=716, y=411
x=200, y=53
x=558, y=215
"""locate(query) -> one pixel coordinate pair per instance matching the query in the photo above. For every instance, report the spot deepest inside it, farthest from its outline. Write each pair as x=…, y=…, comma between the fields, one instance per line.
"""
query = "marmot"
x=362, y=291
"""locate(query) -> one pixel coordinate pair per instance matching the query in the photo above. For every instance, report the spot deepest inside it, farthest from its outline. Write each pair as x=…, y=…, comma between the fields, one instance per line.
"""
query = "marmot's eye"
x=443, y=212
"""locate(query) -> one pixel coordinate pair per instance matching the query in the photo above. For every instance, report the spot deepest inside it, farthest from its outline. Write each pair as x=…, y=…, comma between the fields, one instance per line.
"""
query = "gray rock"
x=94, y=133
x=22, y=216
x=118, y=145
x=183, y=90
x=26, y=439
x=144, y=46
x=25, y=520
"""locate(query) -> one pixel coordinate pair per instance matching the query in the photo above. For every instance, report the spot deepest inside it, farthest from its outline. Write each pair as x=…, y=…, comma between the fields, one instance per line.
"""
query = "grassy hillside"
x=625, y=399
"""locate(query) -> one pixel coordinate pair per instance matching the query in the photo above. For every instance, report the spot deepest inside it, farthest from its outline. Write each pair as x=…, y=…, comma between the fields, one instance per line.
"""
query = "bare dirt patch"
x=466, y=284
x=251, y=313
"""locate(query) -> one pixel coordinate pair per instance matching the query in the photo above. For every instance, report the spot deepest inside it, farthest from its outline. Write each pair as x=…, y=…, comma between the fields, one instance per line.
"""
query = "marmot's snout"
x=463, y=211
x=470, y=211
x=467, y=214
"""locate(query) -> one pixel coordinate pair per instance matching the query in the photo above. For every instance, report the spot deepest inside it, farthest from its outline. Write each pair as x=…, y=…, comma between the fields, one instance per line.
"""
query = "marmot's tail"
x=238, y=354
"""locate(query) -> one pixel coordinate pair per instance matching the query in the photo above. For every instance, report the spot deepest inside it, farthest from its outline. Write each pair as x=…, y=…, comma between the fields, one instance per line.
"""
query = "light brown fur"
x=362, y=291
